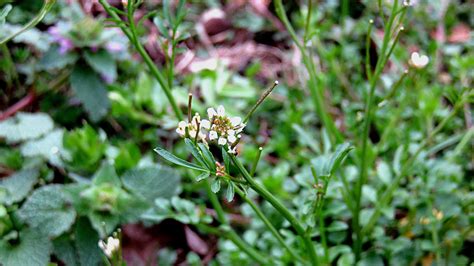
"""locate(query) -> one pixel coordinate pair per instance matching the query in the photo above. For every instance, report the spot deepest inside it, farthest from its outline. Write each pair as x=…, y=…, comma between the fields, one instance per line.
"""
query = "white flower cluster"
x=110, y=246
x=219, y=127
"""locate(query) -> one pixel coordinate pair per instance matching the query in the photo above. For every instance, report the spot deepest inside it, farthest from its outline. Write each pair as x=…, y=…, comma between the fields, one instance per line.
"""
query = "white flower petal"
x=235, y=121
x=192, y=133
x=182, y=124
x=230, y=132
x=220, y=110
x=211, y=112
x=205, y=124
x=231, y=138
x=212, y=135
x=222, y=141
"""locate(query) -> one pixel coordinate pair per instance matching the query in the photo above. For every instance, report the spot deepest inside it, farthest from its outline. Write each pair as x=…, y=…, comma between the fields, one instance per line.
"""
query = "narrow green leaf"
x=171, y=158
x=337, y=157
x=225, y=155
x=208, y=156
x=216, y=185
x=195, y=152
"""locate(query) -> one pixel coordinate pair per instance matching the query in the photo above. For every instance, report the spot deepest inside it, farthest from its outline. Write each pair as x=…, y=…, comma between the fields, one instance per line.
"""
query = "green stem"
x=368, y=70
x=295, y=223
x=308, y=21
x=317, y=91
x=132, y=35
x=230, y=234
x=369, y=109
x=47, y=5
x=267, y=223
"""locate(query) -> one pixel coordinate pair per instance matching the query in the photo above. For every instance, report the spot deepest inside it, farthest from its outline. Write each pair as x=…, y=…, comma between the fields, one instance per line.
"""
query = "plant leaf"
x=216, y=185
x=230, y=191
x=25, y=126
x=195, y=152
x=202, y=176
x=86, y=239
x=33, y=249
x=152, y=182
x=91, y=91
x=208, y=156
x=336, y=158
x=171, y=158
x=48, y=211
x=102, y=62
x=16, y=187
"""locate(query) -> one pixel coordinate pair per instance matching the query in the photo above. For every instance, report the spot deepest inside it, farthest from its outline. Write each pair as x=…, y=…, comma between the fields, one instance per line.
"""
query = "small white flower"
x=230, y=132
x=419, y=61
x=213, y=135
x=220, y=110
x=192, y=133
x=222, y=141
x=231, y=138
x=181, y=130
x=235, y=121
x=232, y=150
x=211, y=112
x=110, y=246
x=205, y=124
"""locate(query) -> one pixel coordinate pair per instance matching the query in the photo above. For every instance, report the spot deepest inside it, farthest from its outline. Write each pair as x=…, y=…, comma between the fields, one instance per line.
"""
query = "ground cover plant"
x=236, y=132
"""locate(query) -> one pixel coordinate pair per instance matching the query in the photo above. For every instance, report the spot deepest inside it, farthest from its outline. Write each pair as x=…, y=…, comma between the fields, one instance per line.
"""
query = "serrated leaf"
x=86, y=239
x=91, y=91
x=216, y=185
x=102, y=62
x=32, y=250
x=48, y=210
x=16, y=187
x=336, y=158
x=152, y=182
x=171, y=158
x=230, y=192
x=49, y=147
x=25, y=126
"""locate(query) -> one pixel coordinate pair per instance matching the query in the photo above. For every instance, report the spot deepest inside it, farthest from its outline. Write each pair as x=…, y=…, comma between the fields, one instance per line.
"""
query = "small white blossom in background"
x=109, y=247
x=192, y=128
x=419, y=61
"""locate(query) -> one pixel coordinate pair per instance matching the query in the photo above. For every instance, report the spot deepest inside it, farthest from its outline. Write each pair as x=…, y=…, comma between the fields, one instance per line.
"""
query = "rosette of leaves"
x=86, y=149
x=206, y=164
x=92, y=52
x=108, y=200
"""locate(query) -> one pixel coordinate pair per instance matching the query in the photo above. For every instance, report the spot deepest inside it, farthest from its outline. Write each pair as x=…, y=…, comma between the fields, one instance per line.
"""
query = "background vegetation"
x=366, y=150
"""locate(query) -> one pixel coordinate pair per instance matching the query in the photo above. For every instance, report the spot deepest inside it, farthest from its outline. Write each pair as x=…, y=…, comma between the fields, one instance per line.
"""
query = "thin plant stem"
x=267, y=223
x=369, y=109
x=132, y=35
x=317, y=92
x=259, y=101
x=230, y=234
x=295, y=223
x=47, y=5
x=308, y=21
x=368, y=70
